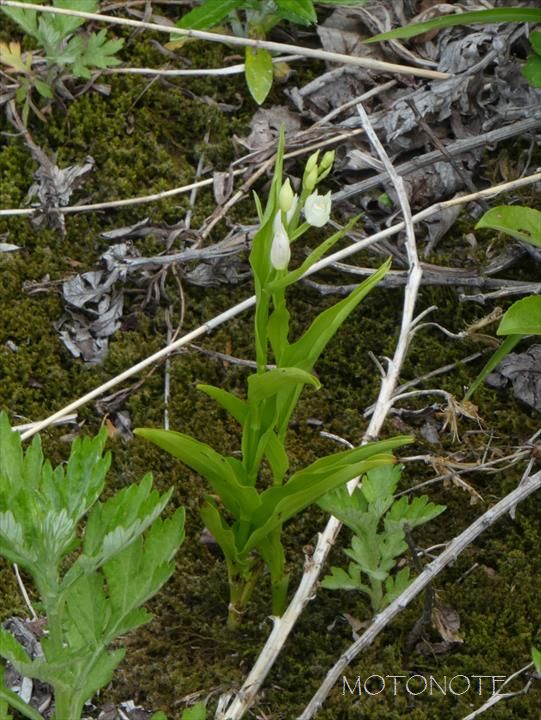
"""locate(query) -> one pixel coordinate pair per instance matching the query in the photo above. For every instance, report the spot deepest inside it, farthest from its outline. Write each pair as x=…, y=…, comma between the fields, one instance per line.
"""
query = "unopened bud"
x=280, y=252
x=310, y=179
x=285, y=198
x=327, y=160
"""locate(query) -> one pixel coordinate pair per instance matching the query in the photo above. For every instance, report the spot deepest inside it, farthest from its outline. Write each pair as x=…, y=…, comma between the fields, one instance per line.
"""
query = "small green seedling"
x=378, y=523
x=63, y=48
x=247, y=522
x=94, y=564
x=254, y=19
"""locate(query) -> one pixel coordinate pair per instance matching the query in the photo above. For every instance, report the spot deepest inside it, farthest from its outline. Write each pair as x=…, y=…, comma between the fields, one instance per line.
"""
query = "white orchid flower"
x=317, y=209
x=280, y=253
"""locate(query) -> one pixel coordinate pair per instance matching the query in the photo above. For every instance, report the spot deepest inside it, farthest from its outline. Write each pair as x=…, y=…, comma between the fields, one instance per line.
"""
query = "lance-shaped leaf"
x=278, y=504
x=505, y=348
x=208, y=14
x=306, y=351
x=259, y=73
x=238, y=499
x=264, y=385
x=498, y=15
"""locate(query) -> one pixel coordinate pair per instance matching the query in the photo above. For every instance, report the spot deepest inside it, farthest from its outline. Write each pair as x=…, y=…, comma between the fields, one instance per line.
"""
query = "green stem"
x=13, y=700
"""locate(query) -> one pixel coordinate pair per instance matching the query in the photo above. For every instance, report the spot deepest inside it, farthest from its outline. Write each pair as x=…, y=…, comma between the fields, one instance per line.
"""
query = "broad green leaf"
x=264, y=385
x=297, y=11
x=505, y=348
x=522, y=223
x=272, y=552
x=535, y=41
x=66, y=24
x=208, y=14
x=305, y=351
x=239, y=500
x=499, y=15
x=196, y=712
x=522, y=318
x=101, y=673
x=532, y=70
x=259, y=73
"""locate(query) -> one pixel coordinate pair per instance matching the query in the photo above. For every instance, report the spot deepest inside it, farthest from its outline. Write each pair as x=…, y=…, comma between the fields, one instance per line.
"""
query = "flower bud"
x=327, y=160
x=285, y=198
x=317, y=209
x=310, y=179
x=311, y=163
x=280, y=252
x=292, y=209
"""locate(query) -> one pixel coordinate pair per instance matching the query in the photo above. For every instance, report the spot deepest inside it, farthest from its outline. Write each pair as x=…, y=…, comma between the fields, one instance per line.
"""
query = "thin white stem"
x=196, y=72
x=24, y=593
x=449, y=555
x=500, y=695
x=233, y=40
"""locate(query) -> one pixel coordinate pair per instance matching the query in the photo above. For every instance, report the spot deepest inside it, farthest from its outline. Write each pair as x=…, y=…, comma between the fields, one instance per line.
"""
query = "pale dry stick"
x=145, y=199
x=307, y=587
x=449, y=555
x=234, y=40
x=499, y=695
x=249, y=302
x=193, y=72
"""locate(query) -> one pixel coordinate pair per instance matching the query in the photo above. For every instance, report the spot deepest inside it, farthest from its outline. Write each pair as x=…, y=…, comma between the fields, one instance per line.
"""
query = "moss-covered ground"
x=146, y=137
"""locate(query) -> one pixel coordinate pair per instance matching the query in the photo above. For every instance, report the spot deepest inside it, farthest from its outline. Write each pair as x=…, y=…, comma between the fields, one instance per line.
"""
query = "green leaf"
x=536, y=657
x=339, y=579
x=43, y=89
x=196, y=712
x=535, y=41
x=208, y=14
x=522, y=223
x=66, y=24
x=305, y=351
x=240, y=501
x=532, y=70
x=12, y=699
x=259, y=73
x=27, y=19
x=505, y=348
x=264, y=385
x=414, y=513
x=88, y=609
x=499, y=15
x=10, y=649
x=297, y=11
x=98, y=53
x=522, y=318
x=235, y=406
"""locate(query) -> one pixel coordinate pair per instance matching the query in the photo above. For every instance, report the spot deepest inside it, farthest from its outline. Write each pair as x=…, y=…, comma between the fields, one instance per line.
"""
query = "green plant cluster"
x=379, y=523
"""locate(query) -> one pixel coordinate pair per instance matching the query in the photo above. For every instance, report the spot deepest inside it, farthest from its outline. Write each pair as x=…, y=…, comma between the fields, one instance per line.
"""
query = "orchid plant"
x=247, y=521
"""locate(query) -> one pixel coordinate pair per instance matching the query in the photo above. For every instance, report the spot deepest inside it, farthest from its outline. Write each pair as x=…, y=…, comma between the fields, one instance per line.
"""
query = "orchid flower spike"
x=317, y=209
x=280, y=252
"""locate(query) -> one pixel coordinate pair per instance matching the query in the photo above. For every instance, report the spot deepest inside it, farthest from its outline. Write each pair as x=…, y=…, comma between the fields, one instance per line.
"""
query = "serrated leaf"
x=259, y=73
x=88, y=609
x=66, y=24
x=522, y=318
x=27, y=19
x=98, y=53
x=339, y=579
x=208, y=14
x=10, y=55
x=522, y=223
